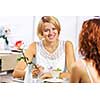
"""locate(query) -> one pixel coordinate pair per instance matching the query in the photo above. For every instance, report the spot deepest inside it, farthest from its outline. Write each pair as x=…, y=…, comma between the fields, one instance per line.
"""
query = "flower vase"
x=28, y=75
x=2, y=44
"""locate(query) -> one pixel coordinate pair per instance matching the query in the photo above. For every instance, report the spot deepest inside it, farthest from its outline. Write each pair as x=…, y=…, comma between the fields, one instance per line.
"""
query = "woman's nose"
x=51, y=31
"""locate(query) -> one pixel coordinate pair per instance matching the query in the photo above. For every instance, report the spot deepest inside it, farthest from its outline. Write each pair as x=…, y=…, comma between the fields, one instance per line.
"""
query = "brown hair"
x=47, y=19
x=89, y=42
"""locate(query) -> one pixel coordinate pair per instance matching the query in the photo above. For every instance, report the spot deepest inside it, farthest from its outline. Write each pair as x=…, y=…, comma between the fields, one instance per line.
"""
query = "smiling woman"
x=49, y=52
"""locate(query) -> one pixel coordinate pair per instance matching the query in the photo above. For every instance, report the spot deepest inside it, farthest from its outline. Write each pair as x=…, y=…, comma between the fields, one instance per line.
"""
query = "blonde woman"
x=50, y=52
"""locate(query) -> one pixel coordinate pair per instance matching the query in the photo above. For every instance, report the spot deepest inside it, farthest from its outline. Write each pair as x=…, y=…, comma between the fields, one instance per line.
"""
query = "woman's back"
x=89, y=49
x=84, y=72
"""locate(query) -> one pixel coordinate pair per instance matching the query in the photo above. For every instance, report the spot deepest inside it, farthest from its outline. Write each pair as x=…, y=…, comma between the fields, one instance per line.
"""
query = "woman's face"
x=50, y=32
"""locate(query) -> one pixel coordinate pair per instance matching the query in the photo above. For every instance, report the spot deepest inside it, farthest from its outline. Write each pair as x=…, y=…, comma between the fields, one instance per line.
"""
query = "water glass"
x=55, y=74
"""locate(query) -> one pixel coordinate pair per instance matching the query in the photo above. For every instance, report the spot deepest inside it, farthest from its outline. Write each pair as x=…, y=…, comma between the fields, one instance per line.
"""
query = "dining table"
x=6, y=77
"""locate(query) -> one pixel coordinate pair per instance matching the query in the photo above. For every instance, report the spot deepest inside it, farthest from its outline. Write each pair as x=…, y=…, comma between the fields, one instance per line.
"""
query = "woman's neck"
x=51, y=46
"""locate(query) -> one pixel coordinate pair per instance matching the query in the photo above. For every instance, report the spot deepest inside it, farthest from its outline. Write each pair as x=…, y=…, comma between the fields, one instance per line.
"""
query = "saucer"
x=53, y=80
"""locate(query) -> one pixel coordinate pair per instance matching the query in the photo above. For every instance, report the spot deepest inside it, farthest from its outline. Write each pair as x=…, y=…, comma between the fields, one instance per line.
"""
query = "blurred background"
x=24, y=28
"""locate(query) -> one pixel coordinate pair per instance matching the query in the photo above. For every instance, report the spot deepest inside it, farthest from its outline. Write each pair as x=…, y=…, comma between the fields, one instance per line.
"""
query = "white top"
x=51, y=60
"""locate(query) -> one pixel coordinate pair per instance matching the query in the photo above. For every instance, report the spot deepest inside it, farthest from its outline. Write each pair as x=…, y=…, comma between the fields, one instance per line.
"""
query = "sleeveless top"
x=51, y=60
x=88, y=71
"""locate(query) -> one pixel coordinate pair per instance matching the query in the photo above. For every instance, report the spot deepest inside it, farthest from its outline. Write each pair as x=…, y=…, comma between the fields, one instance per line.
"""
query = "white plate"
x=53, y=80
x=5, y=51
x=18, y=80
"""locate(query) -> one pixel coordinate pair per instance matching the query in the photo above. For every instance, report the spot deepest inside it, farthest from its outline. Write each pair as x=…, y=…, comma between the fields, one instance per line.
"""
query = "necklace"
x=54, y=55
x=51, y=47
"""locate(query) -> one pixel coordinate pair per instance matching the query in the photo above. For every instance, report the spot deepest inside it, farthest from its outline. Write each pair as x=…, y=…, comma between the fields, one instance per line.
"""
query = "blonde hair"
x=47, y=19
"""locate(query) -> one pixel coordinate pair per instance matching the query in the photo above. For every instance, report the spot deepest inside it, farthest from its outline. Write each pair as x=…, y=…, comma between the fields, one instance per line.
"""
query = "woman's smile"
x=51, y=36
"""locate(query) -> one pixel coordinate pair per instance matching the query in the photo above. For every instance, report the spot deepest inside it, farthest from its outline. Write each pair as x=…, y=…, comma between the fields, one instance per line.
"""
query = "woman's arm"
x=21, y=65
x=19, y=69
x=69, y=55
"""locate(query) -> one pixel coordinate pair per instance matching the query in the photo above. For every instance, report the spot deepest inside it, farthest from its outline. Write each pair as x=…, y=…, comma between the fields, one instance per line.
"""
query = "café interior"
x=21, y=30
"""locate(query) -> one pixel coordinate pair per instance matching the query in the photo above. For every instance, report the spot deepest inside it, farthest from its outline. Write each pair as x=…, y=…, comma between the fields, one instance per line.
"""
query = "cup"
x=55, y=74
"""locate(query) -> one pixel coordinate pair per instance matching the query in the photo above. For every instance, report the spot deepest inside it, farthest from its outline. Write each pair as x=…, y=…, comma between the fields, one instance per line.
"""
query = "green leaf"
x=20, y=58
x=58, y=69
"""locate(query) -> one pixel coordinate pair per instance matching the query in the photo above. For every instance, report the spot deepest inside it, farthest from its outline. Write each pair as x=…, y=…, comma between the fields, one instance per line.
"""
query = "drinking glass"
x=55, y=74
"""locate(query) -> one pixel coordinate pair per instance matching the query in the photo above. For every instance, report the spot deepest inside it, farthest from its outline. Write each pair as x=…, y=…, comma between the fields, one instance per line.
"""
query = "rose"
x=19, y=44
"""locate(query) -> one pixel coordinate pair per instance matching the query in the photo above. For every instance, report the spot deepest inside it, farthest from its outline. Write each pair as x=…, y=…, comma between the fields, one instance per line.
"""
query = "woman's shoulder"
x=78, y=65
x=68, y=44
x=79, y=62
x=33, y=44
x=32, y=48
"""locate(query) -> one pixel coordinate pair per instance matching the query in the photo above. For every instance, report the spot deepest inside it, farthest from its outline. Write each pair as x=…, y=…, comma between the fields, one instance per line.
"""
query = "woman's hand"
x=46, y=76
x=65, y=75
x=37, y=70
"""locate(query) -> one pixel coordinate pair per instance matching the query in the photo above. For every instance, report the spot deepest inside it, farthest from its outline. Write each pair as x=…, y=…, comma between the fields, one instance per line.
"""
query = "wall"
x=24, y=28
x=68, y=28
x=21, y=28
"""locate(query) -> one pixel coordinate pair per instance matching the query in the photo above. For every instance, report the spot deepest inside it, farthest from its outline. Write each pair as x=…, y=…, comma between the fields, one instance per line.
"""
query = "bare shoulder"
x=31, y=51
x=78, y=66
x=75, y=66
x=69, y=46
x=75, y=72
x=68, y=43
x=32, y=45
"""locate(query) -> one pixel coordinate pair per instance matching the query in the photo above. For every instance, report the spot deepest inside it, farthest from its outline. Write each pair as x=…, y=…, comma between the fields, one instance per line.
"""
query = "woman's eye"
x=46, y=30
x=53, y=28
